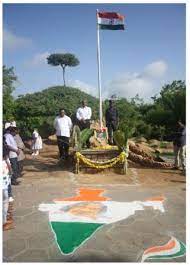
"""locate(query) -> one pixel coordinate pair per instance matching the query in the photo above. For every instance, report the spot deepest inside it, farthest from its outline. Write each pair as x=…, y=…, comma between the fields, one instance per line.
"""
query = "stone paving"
x=33, y=241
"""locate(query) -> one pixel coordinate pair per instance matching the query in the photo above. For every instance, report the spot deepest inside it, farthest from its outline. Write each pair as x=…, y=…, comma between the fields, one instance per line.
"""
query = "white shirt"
x=35, y=134
x=12, y=143
x=84, y=113
x=63, y=126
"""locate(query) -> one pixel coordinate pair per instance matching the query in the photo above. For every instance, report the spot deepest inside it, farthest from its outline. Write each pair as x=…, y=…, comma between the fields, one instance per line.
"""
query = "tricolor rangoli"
x=74, y=220
x=173, y=249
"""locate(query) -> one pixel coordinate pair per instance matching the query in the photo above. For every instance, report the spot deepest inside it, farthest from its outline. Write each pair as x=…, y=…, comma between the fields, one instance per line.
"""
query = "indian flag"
x=74, y=220
x=110, y=20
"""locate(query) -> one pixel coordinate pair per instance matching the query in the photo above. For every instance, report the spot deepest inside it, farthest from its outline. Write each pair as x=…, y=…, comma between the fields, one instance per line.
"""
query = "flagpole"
x=99, y=72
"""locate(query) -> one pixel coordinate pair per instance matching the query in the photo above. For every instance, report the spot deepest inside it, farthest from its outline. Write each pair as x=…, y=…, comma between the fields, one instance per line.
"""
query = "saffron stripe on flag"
x=110, y=15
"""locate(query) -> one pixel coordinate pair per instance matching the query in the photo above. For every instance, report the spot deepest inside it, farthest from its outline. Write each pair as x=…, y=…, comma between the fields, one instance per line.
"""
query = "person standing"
x=6, y=174
x=111, y=121
x=36, y=143
x=83, y=116
x=63, y=126
x=179, y=144
x=21, y=148
x=13, y=154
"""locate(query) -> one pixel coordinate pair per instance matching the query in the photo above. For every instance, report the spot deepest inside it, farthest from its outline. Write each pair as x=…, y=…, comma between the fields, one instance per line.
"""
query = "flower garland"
x=101, y=165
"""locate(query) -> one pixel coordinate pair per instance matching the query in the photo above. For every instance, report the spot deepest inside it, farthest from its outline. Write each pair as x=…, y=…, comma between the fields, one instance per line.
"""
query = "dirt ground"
x=47, y=165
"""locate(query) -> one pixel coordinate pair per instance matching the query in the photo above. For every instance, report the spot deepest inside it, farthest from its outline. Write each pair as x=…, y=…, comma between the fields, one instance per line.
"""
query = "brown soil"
x=46, y=166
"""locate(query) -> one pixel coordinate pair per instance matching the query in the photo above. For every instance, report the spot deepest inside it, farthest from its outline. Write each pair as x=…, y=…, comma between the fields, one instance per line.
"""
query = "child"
x=36, y=142
x=6, y=169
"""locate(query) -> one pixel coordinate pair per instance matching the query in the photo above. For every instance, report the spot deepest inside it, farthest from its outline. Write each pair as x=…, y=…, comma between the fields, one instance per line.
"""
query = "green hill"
x=39, y=109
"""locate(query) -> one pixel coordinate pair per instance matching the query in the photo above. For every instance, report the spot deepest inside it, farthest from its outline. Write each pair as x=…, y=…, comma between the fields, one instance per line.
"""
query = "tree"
x=64, y=60
x=172, y=101
x=9, y=78
x=173, y=98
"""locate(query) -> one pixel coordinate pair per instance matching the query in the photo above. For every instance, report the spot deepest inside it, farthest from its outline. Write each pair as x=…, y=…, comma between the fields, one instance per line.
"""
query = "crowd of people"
x=13, y=156
x=13, y=148
x=12, y=165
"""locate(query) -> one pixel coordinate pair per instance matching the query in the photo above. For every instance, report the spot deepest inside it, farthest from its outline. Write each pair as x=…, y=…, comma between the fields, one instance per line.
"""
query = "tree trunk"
x=63, y=67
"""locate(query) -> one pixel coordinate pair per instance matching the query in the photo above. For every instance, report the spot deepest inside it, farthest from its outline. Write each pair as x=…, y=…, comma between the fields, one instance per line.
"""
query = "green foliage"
x=120, y=140
x=79, y=138
x=63, y=60
x=172, y=99
x=143, y=129
x=40, y=109
x=9, y=78
x=85, y=136
x=167, y=109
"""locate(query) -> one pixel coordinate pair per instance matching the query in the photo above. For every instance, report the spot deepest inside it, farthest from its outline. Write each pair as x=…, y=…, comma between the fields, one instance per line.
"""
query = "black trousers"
x=111, y=128
x=20, y=167
x=15, y=168
x=83, y=124
x=63, y=145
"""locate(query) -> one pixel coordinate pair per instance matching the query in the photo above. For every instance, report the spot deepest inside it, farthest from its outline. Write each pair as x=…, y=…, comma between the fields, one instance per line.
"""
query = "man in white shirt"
x=13, y=154
x=63, y=126
x=83, y=115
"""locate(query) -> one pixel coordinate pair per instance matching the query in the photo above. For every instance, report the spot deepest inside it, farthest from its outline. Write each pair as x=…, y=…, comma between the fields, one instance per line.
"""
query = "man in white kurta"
x=63, y=126
x=83, y=116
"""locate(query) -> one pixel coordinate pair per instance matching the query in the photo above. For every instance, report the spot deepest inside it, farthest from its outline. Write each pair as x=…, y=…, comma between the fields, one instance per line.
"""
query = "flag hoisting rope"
x=109, y=21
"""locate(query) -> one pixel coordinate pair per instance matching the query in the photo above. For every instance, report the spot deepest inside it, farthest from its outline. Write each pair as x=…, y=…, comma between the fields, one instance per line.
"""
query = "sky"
x=140, y=60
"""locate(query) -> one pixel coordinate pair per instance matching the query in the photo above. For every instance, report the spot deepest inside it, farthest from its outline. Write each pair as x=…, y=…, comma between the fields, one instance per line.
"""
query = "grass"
x=167, y=154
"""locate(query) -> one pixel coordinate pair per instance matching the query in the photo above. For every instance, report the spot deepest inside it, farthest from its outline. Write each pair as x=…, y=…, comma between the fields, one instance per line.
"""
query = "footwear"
x=11, y=199
x=7, y=226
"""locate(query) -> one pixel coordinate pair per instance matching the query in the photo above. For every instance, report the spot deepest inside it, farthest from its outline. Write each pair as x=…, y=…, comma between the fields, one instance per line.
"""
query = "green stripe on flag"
x=112, y=27
x=70, y=235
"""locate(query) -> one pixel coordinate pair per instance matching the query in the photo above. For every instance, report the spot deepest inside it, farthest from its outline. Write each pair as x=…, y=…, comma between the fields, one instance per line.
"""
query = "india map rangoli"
x=74, y=220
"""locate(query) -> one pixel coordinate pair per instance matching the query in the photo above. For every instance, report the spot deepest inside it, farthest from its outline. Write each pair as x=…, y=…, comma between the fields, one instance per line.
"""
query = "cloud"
x=83, y=87
x=128, y=84
x=156, y=69
x=11, y=41
x=39, y=59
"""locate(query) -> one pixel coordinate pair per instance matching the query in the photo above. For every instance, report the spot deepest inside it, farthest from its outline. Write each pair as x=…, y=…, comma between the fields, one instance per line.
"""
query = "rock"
x=28, y=144
x=148, y=162
x=166, y=145
x=139, y=151
x=141, y=140
x=52, y=139
x=154, y=143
